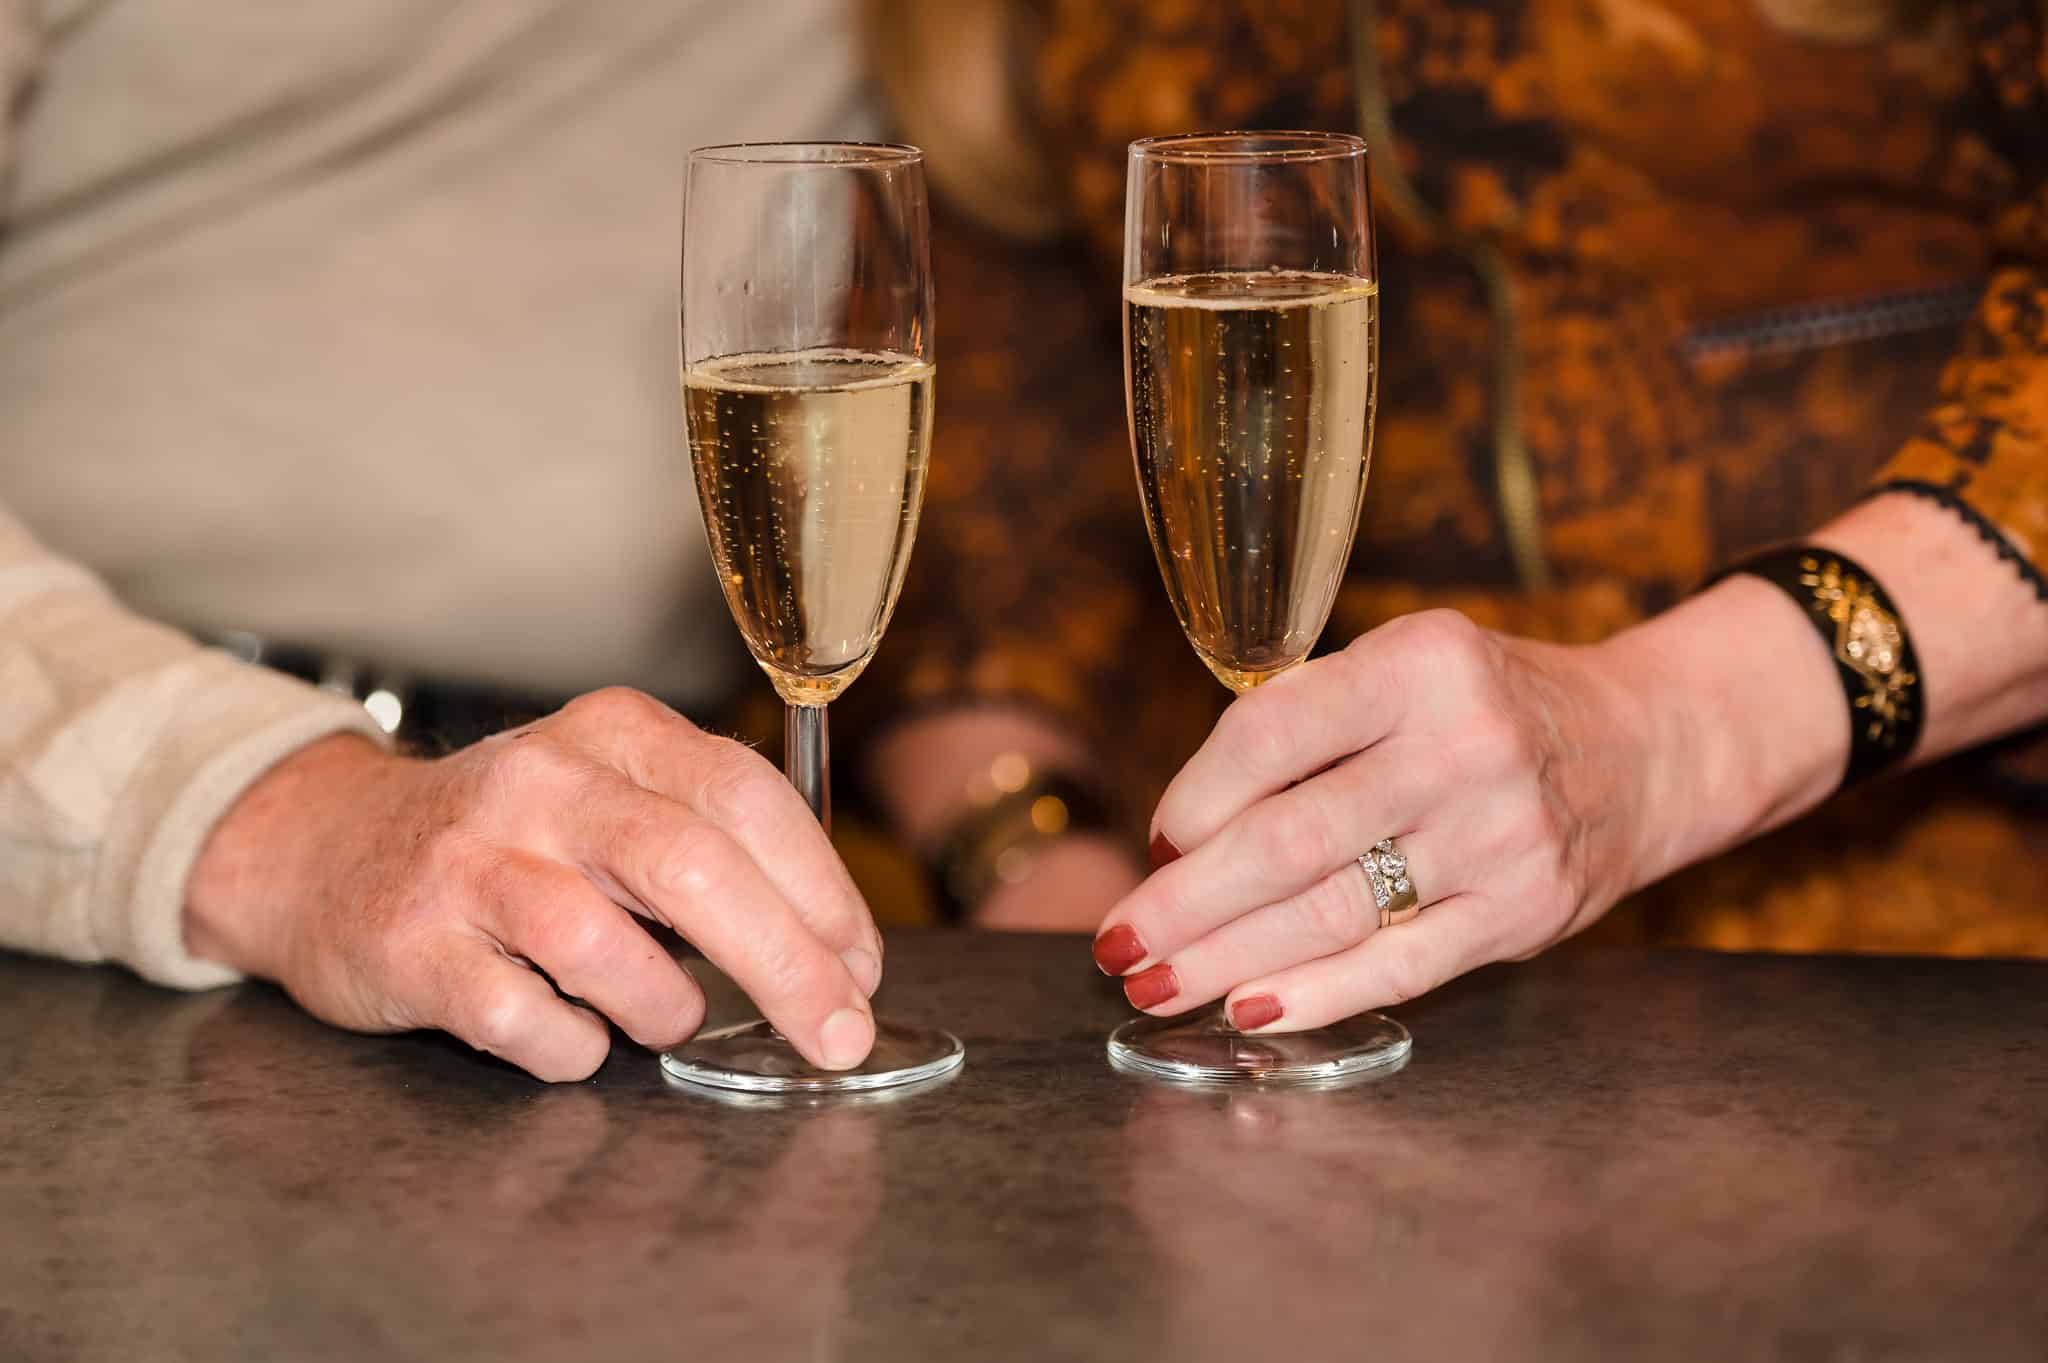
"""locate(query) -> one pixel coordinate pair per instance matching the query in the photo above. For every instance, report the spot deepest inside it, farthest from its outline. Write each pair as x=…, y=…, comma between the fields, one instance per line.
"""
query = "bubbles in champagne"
x=810, y=471
x=1251, y=402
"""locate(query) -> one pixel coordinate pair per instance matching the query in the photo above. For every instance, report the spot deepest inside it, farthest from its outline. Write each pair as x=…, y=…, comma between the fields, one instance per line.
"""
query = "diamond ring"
x=1393, y=891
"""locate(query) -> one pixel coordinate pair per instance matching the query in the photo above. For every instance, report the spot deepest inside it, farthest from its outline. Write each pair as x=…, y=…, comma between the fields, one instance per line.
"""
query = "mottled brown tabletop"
x=1602, y=1155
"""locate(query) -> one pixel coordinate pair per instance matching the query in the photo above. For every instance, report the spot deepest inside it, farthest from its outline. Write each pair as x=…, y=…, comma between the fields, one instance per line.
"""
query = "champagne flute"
x=807, y=371
x=1250, y=365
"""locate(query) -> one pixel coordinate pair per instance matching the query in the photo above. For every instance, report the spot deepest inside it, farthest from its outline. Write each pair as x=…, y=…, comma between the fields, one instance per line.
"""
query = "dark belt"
x=424, y=714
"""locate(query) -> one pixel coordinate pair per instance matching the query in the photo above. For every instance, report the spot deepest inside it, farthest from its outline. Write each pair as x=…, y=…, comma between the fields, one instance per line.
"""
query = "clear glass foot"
x=753, y=1057
x=1203, y=1048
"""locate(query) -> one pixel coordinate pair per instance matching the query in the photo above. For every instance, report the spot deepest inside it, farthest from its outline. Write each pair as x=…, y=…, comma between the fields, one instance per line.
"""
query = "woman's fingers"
x=591, y=948
x=1390, y=967
x=1273, y=851
x=735, y=788
x=1281, y=733
x=690, y=874
x=473, y=990
x=1332, y=915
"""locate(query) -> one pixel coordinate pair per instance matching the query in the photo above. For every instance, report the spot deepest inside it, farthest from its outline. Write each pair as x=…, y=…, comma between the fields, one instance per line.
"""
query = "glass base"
x=753, y=1057
x=1204, y=1049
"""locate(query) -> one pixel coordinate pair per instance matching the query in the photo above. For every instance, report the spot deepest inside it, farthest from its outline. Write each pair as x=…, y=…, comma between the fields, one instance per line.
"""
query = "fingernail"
x=1118, y=950
x=1150, y=988
x=1253, y=1011
x=1162, y=851
x=845, y=1041
x=864, y=967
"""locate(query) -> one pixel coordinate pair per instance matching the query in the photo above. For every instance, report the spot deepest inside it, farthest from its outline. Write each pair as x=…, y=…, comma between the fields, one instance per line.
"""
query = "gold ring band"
x=1393, y=889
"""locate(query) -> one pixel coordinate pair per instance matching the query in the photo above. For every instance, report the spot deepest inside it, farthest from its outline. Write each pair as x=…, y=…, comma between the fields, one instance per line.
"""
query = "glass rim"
x=1234, y=146
x=809, y=153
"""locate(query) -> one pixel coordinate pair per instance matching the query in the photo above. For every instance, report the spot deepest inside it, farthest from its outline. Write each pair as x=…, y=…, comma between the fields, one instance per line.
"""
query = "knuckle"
x=1450, y=655
x=1445, y=635
x=790, y=971
x=695, y=863
x=1258, y=732
x=739, y=787
x=615, y=705
x=1297, y=842
x=532, y=760
x=500, y=1016
x=1336, y=909
x=1405, y=975
x=493, y=877
x=572, y=944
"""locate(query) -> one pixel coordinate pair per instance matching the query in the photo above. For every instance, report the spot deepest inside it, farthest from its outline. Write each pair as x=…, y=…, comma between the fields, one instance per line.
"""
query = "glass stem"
x=807, y=758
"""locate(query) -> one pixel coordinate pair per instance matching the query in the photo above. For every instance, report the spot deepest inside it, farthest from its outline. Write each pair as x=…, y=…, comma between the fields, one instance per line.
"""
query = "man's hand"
x=475, y=892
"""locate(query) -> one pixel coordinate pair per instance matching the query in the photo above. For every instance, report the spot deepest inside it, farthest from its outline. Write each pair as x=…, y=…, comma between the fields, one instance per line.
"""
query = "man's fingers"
x=755, y=805
x=591, y=948
x=690, y=874
x=735, y=788
x=479, y=994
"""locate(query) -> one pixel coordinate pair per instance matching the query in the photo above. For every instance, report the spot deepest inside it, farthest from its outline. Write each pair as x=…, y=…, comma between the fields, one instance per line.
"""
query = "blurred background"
x=345, y=336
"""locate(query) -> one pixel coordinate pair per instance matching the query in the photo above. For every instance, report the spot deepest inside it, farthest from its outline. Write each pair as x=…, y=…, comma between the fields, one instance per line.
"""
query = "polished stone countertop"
x=1596, y=1155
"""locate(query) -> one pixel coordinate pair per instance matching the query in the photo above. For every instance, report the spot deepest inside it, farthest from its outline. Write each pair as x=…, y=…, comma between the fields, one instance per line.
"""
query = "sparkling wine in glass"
x=807, y=371
x=1251, y=346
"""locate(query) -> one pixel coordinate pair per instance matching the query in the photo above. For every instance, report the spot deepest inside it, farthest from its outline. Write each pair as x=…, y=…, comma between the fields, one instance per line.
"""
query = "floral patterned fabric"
x=1701, y=278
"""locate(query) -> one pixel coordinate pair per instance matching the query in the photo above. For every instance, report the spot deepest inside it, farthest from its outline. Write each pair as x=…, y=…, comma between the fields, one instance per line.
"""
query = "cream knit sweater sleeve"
x=121, y=742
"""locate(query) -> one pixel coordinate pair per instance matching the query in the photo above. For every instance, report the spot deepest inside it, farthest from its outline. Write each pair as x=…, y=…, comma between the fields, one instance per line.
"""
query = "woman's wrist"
x=1980, y=633
x=997, y=800
x=931, y=771
x=1068, y=887
x=1741, y=720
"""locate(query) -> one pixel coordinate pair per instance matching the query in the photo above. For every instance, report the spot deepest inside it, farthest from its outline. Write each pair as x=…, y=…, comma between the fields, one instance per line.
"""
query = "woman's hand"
x=1530, y=785
x=1514, y=776
x=387, y=894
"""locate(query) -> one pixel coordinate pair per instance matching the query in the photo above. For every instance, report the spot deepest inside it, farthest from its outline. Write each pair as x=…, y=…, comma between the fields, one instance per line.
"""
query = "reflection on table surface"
x=1600, y=1155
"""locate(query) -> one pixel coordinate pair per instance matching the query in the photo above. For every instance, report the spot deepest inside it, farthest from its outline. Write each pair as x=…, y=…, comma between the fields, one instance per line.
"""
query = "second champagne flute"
x=1251, y=347
x=807, y=390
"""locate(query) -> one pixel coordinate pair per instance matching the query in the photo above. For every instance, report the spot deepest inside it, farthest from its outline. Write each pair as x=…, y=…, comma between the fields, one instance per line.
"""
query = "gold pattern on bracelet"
x=1868, y=641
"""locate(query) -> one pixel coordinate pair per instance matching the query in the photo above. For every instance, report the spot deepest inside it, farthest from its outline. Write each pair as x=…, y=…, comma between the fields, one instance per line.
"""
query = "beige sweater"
x=351, y=325
x=121, y=743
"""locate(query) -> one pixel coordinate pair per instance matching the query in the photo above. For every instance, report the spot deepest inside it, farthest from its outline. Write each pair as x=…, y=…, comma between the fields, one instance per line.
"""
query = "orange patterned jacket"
x=1662, y=282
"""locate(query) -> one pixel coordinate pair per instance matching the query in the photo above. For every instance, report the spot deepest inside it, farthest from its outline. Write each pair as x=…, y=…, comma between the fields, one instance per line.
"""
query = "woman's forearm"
x=1744, y=715
x=1981, y=632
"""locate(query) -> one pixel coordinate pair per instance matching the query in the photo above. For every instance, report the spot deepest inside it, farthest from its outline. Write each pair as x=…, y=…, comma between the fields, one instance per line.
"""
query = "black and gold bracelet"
x=1872, y=651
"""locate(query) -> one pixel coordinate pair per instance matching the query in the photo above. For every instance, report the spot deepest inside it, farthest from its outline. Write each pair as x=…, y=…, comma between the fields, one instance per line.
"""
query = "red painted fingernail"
x=1162, y=852
x=1150, y=988
x=1118, y=950
x=1253, y=1011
